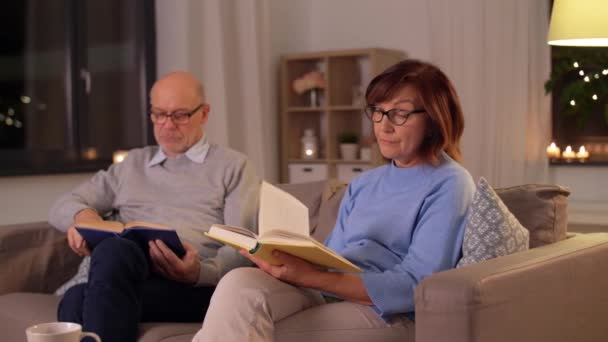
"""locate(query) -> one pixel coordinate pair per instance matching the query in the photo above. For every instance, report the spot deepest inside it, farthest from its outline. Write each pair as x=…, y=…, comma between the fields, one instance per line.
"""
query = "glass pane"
x=32, y=76
x=116, y=102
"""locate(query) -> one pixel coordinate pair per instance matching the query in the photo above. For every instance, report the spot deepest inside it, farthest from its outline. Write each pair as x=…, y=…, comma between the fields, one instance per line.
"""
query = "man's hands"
x=167, y=264
x=77, y=243
x=75, y=240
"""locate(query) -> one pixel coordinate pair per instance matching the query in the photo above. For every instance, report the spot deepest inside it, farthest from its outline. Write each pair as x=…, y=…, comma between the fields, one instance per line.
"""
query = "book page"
x=280, y=210
x=146, y=225
x=111, y=226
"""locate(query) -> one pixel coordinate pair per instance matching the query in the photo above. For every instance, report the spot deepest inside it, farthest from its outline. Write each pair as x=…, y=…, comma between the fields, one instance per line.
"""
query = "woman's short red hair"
x=436, y=95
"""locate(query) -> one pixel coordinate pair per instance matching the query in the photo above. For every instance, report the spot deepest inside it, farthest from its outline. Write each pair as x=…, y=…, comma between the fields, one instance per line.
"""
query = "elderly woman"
x=399, y=222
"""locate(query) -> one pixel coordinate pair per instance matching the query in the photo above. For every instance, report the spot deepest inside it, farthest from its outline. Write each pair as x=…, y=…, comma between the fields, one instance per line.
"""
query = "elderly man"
x=186, y=183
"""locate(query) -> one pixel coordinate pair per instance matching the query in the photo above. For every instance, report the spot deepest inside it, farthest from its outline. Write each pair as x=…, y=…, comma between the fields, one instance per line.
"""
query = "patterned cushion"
x=491, y=230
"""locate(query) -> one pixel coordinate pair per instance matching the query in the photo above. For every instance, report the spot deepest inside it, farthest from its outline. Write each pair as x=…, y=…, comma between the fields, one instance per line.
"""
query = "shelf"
x=347, y=73
x=577, y=163
x=345, y=108
x=352, y=161
x=307, y=161
x=307, y=109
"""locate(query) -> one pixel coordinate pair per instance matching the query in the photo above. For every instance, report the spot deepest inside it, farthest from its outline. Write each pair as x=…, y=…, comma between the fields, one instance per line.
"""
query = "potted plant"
x=348, y=145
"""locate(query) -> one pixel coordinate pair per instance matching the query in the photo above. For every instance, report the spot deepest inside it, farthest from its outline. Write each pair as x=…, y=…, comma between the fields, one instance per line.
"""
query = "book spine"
x=255, y=249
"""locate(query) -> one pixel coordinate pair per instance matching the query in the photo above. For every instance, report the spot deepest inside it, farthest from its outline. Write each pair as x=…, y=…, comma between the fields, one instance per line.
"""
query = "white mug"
x=57, y=332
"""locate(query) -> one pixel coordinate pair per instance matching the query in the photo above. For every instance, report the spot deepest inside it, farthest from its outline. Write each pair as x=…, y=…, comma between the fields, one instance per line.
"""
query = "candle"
x=553, y=152
x=119, y=156
x=582, y=154
x=568, y=154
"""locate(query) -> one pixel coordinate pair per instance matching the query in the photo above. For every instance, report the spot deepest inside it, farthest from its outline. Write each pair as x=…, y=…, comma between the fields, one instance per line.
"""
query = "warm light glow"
x=119, y=156
x=579, y=23
x=594, y=97
x=605, y=72
x=575, y=64
x=572, y=103
x=309, y=152
x=582, y=73
x=586, y=79
x=582, y=154
x=553, y=151
x=26, y=99
x=91, y=154
x=568, y=154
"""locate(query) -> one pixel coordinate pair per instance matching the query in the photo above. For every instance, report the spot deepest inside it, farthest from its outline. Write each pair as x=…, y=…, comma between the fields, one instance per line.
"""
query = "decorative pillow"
x=541, y=208
x=490, y=229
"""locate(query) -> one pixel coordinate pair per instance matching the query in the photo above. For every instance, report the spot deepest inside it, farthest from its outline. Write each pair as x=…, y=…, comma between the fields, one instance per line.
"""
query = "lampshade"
x=579, y=23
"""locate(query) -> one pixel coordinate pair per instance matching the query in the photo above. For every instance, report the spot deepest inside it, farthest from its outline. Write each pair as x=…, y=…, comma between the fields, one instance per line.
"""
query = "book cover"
x=138, y=232
x=283, y=225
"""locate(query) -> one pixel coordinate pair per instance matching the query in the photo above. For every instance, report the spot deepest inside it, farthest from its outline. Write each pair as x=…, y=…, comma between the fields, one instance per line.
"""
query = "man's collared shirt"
x=197, y=153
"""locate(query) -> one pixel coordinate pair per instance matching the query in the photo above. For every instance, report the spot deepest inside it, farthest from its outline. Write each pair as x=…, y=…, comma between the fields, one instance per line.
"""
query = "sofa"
x=556, y=291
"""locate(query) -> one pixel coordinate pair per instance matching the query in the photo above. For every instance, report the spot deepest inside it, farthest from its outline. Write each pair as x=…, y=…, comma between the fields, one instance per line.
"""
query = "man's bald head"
x=178, y=93
x=181, y=80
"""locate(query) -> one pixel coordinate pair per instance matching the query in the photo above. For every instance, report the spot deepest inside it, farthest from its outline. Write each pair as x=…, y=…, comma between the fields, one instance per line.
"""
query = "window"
x=579, y=85
x=74, y=76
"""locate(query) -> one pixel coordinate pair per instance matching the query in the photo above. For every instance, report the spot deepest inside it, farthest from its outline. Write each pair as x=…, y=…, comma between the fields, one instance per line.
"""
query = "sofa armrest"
x=557, y=292
x=34, y=257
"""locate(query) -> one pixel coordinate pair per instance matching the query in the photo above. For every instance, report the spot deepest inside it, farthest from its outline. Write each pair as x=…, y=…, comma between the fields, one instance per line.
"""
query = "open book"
x=283, y=225
x=138, y=232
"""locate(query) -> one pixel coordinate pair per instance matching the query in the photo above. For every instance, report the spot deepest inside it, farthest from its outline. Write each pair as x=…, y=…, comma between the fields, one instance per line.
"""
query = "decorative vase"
x=314, y=97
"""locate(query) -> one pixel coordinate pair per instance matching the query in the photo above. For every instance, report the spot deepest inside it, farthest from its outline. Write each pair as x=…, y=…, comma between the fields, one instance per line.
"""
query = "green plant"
x=348, y=138
x=580, y=75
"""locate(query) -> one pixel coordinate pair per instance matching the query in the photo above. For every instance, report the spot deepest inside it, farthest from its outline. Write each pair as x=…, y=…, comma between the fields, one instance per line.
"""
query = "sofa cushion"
x=328, y=211
x=542, y=209
x=323, y=200
x=310, y=195
x=34, y=257
x=490, y=229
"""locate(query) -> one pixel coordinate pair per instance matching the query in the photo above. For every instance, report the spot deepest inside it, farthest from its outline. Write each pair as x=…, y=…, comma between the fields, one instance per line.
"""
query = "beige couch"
x=557, y=291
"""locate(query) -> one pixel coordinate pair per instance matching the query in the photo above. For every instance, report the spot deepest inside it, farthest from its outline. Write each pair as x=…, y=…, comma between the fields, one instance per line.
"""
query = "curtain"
x=496, y=54
x=226, y=44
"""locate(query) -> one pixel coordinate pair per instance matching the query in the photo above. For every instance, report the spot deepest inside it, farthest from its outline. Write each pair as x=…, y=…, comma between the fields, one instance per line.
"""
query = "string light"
x=572, y=103
x=594, y=97
x=575, y=64
x=582, y=73
x=596, y=76
x=586, y=78
x=605, y=72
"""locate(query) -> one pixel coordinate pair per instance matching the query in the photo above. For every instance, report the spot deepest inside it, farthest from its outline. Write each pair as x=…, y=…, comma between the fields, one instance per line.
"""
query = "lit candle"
x=119, y=156
x=582, y=154
x=553, y=152
x=568, y=154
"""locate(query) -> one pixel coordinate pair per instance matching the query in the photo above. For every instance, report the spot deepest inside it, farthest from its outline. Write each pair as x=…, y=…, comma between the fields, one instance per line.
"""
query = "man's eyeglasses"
x=179, y=118
x=395, y=116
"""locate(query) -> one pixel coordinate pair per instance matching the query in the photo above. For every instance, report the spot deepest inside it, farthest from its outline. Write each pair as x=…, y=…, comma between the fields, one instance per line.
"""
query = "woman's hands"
x=291, y=269
x=299, y=272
